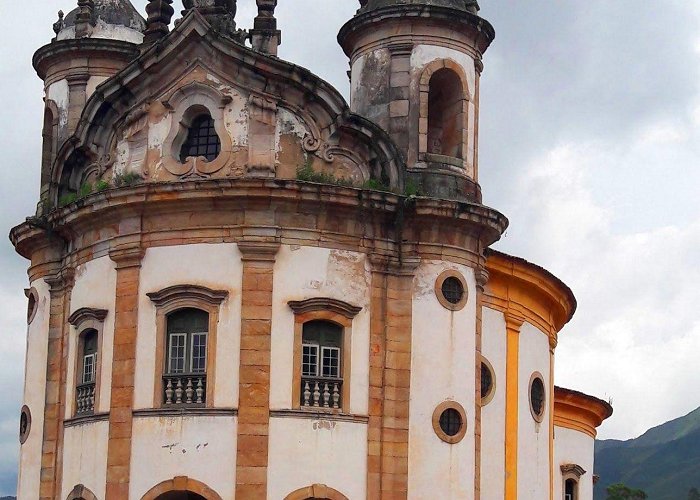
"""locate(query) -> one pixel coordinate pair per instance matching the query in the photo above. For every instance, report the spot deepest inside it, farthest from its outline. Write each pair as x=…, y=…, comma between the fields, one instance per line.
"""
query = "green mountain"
x=664, y=461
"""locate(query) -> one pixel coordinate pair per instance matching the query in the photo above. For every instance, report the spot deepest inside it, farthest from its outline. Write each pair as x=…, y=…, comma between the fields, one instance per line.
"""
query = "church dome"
x=112, y=19
x=465, y=5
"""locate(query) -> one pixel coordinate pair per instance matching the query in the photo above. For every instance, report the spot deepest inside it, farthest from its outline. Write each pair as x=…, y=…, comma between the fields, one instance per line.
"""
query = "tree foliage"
x=694, y=494
x=621, y=492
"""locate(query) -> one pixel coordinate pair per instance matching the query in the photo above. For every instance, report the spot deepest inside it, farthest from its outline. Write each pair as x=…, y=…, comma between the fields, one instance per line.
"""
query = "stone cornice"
x=86, y=313
x=429, y=230
x=578, y=411
x=176, y=293
x=528, y=292
x=76, y=48
x=324, y=304
x=482, y=30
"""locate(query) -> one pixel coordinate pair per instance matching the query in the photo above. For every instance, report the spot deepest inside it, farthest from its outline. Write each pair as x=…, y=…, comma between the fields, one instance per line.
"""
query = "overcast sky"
x=590, y=144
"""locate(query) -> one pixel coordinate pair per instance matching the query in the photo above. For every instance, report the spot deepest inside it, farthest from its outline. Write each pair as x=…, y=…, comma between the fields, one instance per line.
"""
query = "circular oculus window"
x=537, y=397
x=25, y=424
x=450, y=422
x=451, y=290
x=488, y=382
x=32, y=303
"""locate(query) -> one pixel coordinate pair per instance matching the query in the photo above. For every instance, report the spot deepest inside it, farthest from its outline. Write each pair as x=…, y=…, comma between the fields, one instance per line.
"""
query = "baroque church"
x=241, y=286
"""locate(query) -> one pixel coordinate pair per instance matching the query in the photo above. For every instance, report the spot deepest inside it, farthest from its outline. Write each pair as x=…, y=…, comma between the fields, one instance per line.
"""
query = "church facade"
x=243, y=287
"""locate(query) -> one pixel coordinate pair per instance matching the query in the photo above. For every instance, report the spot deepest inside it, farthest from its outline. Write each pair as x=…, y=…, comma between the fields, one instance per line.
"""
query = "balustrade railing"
x=85, y=399
x=184, y=389
x=319, y=392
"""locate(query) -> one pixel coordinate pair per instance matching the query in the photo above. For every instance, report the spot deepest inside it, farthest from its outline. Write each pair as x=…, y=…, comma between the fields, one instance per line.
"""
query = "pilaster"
x=254, y=376
x=389, y=378
x=513, y=325
x=60, y=288
x=128, y=265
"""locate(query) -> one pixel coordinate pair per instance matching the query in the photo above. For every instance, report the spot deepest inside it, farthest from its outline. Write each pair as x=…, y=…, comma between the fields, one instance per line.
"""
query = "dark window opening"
x=321, y=365
x=452, y=290
x=570, y=490
x=202, y=140
x=450, y=422
x=445, y=114
x=486, y=380
x=537, y=396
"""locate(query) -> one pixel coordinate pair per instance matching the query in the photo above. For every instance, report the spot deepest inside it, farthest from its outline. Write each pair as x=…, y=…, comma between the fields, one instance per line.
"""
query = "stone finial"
x=265, y=36
x=160, y=12
x=60, y=24
x=221, y=14
x=85, y=18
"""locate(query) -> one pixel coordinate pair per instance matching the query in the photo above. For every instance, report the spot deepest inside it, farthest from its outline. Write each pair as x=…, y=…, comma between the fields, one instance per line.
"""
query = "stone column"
x=126, y=308
x=254, y=374
x=61, y=286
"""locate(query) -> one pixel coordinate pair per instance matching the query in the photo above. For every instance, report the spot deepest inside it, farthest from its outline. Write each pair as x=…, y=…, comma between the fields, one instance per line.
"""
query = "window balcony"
x=85, y=399
x=321, y=392
x=184, y=389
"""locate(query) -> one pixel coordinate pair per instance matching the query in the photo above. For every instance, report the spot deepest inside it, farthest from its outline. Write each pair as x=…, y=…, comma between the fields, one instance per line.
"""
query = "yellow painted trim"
x=513, y=325
x=518, y=287
x=579, y=412
x=551, y=424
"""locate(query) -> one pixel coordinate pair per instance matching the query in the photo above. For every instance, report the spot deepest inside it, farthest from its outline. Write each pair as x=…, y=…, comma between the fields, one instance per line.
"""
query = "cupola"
x=110, y=19
x=415, y=69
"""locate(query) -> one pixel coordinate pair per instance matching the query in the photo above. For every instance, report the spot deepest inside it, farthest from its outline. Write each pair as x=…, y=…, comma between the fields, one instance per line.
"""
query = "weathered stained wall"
x=34, y=394
x=85, y=457
x=215, y=266
x=442, y=368
x=317, y=451
x=199, y=447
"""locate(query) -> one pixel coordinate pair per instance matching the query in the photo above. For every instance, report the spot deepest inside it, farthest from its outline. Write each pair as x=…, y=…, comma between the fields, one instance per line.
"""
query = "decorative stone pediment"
x=87, y=314
x=573, y=469
x=272, y=119
x=324, y=304
x=178, y=293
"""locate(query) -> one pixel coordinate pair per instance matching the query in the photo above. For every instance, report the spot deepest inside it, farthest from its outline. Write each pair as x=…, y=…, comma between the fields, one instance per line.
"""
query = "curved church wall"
x=442, y=368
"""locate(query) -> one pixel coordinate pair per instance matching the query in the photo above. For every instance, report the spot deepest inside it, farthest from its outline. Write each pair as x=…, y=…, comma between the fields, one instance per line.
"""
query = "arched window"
x=322, y=345
x=87, y=376
x=88, y=324
x=321, y=364
x=186, y=357
x=202, y=139
x=445, y=114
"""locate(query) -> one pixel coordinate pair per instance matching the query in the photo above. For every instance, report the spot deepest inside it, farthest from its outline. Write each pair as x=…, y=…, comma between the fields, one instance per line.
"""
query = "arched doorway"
x=180, y=495
x=181, y=488
x=316, y=492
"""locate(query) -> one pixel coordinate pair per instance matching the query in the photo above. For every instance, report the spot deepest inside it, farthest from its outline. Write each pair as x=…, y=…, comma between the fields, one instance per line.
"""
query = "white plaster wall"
x=85, y=457
x=305, y=452
x=493, y=433
x=533, y=437
x=306, y=272
x=442, y=368
x=95, y=285
x=59, y=93
x=573, y=447
x=201, y=448
x=355, y=81
x=92, y=84
x=216, y=266
x=34, y=392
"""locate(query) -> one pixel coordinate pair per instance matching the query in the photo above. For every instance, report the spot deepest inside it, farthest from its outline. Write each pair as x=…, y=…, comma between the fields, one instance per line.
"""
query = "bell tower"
x=415, y=68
